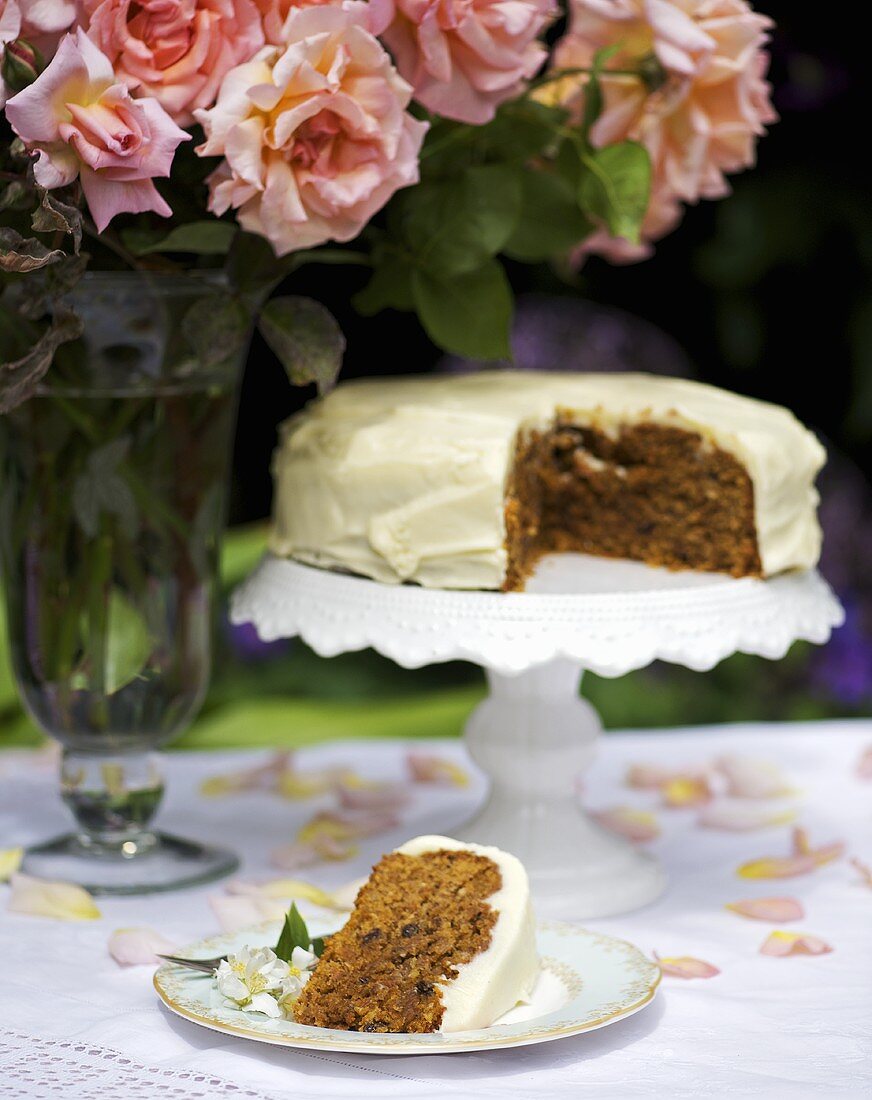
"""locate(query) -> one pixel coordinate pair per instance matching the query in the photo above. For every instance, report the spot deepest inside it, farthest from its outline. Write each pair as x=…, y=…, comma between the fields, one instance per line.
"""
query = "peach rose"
x=315, y=137
x=83, y=123
x=177, y=51
x=465, y=57
x=700, y=101
x=275, y=12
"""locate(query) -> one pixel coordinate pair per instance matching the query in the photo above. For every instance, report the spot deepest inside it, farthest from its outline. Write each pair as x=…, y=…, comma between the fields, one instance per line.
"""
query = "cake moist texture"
x=424, y=949
x=466, y=481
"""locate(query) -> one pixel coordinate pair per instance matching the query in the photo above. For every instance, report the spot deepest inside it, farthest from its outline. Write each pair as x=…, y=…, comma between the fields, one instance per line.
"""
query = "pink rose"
x=698, y=105
x=83, y=123
x=39, y=21
x=315, y=137
x=275, y=12
x=177, y=51
x=465, y=57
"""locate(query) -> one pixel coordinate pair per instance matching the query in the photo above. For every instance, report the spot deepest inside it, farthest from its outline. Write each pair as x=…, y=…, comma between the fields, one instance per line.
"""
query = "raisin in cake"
x=441, y=938
x=466, y=481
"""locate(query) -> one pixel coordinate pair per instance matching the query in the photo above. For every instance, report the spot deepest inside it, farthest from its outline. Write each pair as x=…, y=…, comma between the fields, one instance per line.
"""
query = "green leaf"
x=22, y=254
x=593, y=95
x=453, y=226
x=616, y=187
x=551, y=222
x=128, y=642
x=217, y=327
x=20, y=378
x=253, y=268
x=318, y=944
x=469, y=314
x=205, y=238
x=101, y=489
x=294, y=934
x=306, y=338
x=390, y=286
x=53, y=215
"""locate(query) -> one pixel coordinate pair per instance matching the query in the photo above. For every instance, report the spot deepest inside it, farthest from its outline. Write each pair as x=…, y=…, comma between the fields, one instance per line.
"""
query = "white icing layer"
x=502, y=976
x=403, y=479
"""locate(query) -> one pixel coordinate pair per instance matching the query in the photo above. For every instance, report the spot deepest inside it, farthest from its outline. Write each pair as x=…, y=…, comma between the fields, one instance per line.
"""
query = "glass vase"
x=113, y=490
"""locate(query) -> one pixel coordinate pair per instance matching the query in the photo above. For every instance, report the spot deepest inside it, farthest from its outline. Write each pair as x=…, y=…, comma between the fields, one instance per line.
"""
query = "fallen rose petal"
x=261, y=777
x=138, y=946
x=777, y=910
x=346, y=825
x=38, y=897
x=864, y=869
x=425, y=768
x=825, y=853
x=652, y=777
x=749, y=777
x=235, y=911
x=683, y=966
x=10, y=861
x=686, y=791
x=782, y=944
x=864, y=764
x=289, y=889
x=635, y=825
x=803, y=859
x=374, y=796
x=740, y=815
x=298, y=785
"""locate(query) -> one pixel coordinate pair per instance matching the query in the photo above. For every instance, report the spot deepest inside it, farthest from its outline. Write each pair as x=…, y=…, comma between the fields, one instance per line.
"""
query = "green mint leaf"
x=294, y=934
x=551, y=222
x=318, y=946
x=469, y=314
x=306, y=338
x=616, y=187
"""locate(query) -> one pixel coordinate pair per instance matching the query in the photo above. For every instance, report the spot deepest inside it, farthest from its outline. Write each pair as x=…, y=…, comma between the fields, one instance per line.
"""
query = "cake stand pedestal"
x=534, y=734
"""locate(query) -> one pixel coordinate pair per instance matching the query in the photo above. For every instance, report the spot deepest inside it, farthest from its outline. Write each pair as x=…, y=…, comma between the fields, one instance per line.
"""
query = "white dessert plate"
x=588, y=981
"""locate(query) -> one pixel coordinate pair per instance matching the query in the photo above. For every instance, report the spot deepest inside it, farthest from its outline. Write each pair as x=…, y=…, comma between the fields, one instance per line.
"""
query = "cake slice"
x=441, y=938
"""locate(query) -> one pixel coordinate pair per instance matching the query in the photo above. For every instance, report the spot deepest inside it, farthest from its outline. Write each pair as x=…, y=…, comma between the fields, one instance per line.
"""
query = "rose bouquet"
x=437, y=135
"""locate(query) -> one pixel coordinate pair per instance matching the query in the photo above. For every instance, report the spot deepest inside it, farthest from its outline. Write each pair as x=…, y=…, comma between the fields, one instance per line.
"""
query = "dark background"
x=768, y=292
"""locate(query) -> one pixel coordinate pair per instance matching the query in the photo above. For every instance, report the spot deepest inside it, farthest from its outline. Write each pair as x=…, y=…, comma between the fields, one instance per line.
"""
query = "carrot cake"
x=441, y=938
x=466, y=481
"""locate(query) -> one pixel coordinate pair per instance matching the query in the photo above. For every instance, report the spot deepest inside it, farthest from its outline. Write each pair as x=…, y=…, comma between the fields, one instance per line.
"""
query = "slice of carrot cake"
x=442, y=938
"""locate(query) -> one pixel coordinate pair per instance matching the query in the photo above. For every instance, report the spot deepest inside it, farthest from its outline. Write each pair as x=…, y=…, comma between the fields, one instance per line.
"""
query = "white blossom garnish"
x=257, y=980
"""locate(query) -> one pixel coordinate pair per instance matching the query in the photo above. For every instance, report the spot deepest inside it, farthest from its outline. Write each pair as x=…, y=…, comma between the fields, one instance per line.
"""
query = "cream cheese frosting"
x=503, y=975
x=403, y=479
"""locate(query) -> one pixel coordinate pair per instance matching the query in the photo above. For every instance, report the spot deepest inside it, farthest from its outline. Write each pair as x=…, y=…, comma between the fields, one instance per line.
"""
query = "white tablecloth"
x=76, y=1025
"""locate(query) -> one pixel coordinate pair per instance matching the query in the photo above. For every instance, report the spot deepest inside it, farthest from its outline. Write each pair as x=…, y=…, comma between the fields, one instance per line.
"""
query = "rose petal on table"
x=138, y=946
x=426, y=768
x=372, y=796
x=824, y=853
x=36, y=897
x=10, y=861
x=234, y=911
x=864, y=764
x=261, y=777
x=803, y=859
x=635, y=825
x=289, y=889
x=742, y=815
x=653, y=777
x=782, y=944
x=864, y=869
x=750, y=777
x=686, y=791
x=683, y=966
x=330, y=835
x=776, y=910
x=310, y=784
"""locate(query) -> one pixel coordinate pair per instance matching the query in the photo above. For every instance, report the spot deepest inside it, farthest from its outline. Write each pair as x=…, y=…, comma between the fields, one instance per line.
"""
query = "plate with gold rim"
x=588, y=981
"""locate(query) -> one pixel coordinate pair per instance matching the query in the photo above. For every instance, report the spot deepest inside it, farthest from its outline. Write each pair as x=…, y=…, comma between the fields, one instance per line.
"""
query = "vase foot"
x=164, y=863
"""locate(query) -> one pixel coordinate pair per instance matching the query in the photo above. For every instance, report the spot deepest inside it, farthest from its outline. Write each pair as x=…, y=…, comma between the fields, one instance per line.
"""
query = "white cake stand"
x=534, y=734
